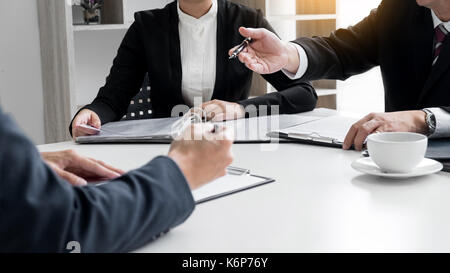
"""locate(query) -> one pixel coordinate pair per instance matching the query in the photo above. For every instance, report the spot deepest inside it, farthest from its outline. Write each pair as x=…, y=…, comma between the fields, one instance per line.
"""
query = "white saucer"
x=426, y=167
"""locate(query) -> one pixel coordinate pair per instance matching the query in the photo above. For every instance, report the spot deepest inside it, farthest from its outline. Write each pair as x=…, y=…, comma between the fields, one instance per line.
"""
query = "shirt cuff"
x=303, y=64
x=442, y=122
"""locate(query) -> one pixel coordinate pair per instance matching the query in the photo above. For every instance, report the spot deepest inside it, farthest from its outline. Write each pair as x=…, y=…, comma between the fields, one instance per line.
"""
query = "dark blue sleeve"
x=39, y=212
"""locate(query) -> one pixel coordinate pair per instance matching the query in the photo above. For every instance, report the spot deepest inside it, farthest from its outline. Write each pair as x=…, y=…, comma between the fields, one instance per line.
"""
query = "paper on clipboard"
x=331, y=129
x=235, y=181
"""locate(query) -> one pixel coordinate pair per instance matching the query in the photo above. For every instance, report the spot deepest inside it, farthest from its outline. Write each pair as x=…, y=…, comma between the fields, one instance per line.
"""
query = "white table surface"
x=317, y=204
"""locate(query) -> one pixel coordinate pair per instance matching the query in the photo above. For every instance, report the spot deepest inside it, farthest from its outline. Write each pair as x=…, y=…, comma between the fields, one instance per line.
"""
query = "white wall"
x=363, y=93
x=20, y=66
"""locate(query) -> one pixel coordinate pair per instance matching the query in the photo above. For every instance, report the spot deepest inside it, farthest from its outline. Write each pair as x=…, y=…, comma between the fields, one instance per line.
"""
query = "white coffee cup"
x=397, y=152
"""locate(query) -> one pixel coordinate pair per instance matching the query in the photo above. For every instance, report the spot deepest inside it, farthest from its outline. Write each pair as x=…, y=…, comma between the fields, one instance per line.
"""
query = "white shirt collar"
x=437, y=21
x=187, y=19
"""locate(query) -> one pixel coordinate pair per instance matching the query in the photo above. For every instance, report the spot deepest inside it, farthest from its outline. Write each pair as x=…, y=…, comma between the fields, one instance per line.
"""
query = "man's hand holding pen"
x=266, y=53
x=203, y=152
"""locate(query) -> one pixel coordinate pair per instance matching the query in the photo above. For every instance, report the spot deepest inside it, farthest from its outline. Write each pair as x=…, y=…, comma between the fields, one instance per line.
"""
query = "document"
x=133, y=131
x=255, y=129
x=163, y=130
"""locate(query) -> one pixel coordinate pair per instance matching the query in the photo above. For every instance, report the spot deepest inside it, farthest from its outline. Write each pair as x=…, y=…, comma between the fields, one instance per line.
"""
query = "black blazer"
x=40, y=212
x=399, y=37
x=152, y=45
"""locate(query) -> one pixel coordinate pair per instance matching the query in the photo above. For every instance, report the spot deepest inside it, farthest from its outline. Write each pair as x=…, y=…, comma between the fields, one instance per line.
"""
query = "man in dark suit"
x=40, y=212
x=408, y=39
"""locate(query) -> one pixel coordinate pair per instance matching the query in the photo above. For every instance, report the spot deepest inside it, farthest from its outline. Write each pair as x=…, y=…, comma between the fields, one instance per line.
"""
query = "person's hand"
x=266, y=53
x=85, y=117
x=404, y=121
x=218, y=110
x=78, y=170
x=201, y=154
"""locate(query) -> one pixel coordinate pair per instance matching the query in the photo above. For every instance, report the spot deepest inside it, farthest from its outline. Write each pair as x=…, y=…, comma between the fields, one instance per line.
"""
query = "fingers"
x=254, y=33
x=83, y=131
x=219, y=117
x=85, y=117
x=214, y=108
x=252, y=62
x=247, y=58
x=109, y=167
x=230, y=52
x=96, y=169
x=86, y=167
x=349, y=138
x=224, y=135
x=71, y=178
x=365, y=130
x=217, y=110
x=95, y=120
x=196, y=131
x=359, y=131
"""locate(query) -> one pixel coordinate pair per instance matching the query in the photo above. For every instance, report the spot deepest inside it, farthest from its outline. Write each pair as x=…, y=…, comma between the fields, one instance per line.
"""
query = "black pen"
x=241, y=47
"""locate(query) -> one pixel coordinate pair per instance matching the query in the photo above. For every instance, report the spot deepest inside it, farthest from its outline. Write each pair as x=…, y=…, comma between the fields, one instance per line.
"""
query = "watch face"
x=431, y=120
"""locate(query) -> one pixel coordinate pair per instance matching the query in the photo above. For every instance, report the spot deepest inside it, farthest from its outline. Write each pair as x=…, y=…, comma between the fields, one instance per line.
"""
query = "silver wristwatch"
x=431, y=121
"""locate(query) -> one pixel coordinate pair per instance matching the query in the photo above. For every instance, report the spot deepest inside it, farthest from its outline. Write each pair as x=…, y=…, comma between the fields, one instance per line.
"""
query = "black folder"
x=439, y=149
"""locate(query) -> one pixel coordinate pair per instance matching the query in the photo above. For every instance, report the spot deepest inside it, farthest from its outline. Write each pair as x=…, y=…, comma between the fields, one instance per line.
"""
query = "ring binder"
x=187, y=120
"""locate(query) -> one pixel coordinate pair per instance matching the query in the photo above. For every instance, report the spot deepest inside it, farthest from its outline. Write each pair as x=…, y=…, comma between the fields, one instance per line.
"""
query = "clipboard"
x=439, y=149
x=328, y=131
x=310, y=138
x=236, y=180
x=241, y=180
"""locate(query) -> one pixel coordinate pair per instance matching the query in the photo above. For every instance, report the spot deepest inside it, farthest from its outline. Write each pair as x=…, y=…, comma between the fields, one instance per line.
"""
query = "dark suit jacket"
x=152, y=45
x=399, y=37
x=40, y=212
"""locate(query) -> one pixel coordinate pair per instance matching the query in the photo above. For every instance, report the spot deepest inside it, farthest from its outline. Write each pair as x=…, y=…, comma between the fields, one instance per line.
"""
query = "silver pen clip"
x=314, y=137
x=237, y=171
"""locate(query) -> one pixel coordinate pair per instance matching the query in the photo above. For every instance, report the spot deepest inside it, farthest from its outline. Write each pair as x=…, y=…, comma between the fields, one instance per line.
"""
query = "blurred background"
x=52, y=62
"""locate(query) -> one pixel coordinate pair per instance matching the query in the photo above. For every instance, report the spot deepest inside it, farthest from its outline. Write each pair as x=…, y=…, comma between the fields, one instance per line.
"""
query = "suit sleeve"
x=39, y=212
x=293, y=96
x=446, y=108
x=125, y=78
x=346, y=52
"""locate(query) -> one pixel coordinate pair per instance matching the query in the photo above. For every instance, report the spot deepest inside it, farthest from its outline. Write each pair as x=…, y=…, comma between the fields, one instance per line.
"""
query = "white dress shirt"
x=198, y=46
x=442, y=117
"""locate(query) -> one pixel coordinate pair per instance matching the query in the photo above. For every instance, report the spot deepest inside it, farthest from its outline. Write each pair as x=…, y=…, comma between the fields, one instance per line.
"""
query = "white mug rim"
x=373, y=137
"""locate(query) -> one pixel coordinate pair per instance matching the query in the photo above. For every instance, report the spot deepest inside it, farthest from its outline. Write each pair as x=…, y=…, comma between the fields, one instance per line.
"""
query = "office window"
x=364, y=93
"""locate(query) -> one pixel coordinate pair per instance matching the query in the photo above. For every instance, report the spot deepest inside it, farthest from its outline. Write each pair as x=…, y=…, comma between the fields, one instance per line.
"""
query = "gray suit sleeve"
x=39, y=212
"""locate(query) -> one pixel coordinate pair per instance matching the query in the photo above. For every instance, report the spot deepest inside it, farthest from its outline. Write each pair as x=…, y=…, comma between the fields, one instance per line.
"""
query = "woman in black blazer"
x=152, y=45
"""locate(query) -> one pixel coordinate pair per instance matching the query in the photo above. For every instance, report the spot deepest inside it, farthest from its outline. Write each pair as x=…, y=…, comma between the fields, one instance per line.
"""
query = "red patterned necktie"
x=440, y=33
